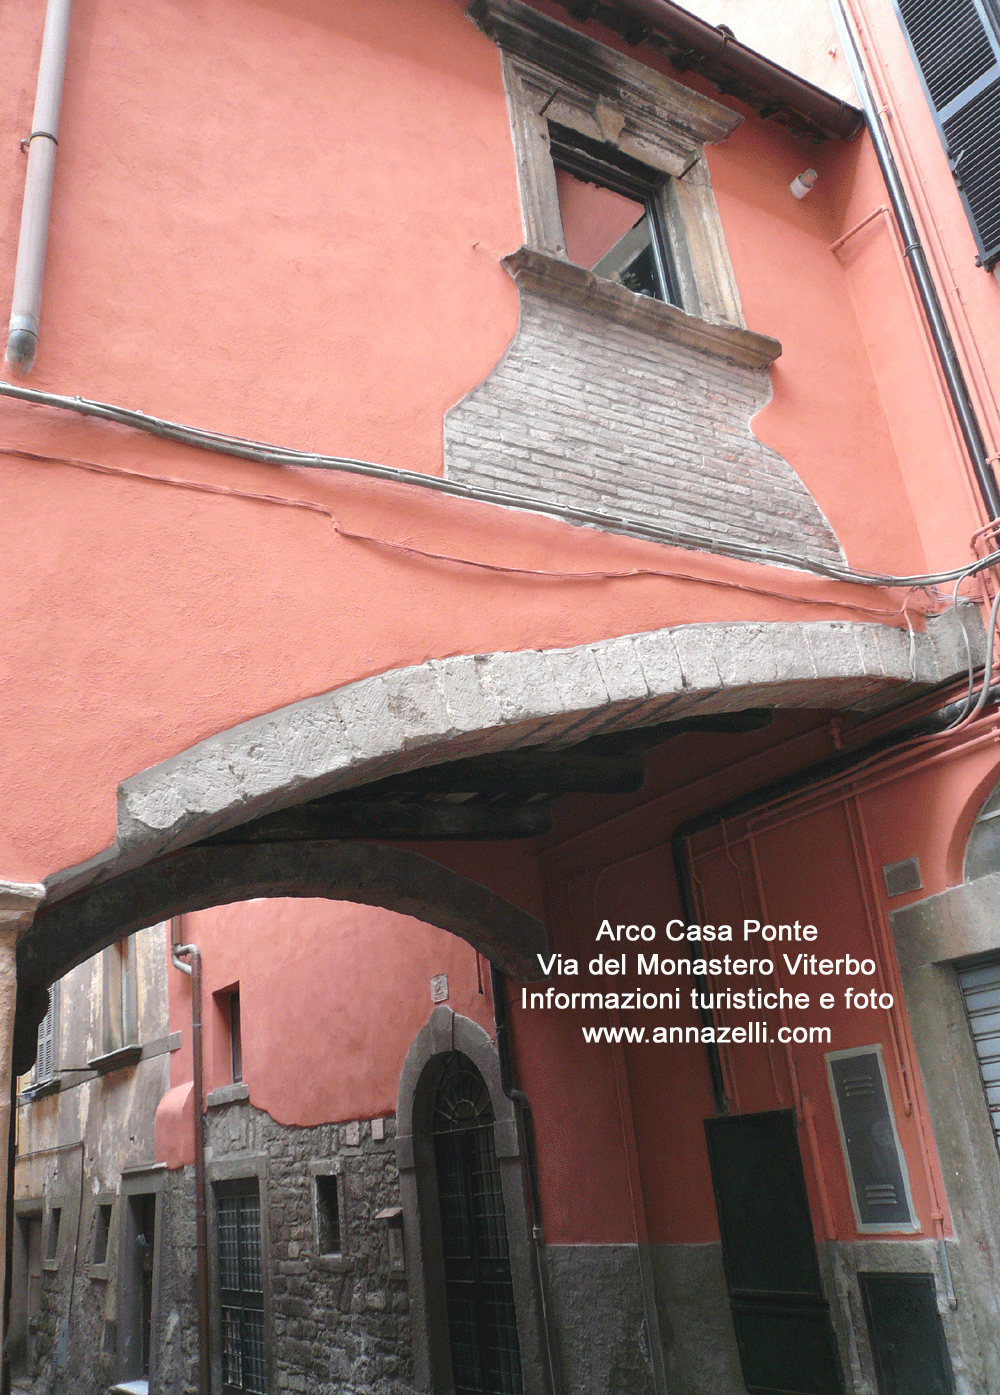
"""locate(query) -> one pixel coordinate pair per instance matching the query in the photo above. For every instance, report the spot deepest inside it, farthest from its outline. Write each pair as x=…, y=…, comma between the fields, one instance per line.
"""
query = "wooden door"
x=782, y=1320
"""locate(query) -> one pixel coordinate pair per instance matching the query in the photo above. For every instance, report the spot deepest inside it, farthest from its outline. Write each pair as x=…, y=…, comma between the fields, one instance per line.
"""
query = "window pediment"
x=558, y=78
x=659, y=121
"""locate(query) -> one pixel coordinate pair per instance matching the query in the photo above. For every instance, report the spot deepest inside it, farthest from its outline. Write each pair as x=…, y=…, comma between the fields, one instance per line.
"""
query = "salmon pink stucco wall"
x=298, y=237
x=331, y=996
x=974, y=310
x=269, y=218
x=151, y=615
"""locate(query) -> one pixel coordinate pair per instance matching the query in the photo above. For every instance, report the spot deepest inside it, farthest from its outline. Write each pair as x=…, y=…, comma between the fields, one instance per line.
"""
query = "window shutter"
x=957, y=50
x=46, y=1033
x=981, y=991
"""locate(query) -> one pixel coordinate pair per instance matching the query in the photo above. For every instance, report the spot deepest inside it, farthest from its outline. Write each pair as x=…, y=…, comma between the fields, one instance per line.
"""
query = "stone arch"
x=445, y=1032
x=440, y=710
x=446, y=709
x=68, y=932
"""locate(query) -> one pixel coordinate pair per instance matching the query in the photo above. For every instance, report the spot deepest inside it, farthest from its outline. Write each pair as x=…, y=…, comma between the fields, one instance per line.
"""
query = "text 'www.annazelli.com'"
x=720, y=1034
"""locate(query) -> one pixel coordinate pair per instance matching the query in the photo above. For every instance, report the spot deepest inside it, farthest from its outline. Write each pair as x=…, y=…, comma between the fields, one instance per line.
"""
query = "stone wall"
x=336, y=1323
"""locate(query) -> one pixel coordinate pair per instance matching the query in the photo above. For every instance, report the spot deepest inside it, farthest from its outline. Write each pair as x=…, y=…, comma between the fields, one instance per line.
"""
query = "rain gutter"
x=720, y=57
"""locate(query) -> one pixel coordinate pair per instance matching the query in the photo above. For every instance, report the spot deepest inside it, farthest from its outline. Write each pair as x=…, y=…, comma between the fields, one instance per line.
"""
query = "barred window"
x=241, y=1287
x=482, y=1325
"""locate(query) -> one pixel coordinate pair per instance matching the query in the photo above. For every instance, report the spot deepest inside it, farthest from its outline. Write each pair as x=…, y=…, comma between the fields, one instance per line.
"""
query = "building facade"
x=85, y=1174
x=524, y=471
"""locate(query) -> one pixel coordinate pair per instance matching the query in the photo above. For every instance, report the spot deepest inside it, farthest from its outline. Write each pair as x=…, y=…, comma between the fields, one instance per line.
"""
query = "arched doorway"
x=445, y=1110
x=479, y=1292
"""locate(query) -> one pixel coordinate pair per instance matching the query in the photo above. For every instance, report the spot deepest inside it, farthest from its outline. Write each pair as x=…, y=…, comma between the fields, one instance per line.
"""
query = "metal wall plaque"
x=876, y=1166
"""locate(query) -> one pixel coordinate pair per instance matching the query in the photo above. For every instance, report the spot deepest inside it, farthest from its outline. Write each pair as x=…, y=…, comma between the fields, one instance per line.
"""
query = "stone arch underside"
x=441, y=710
x=193, y=879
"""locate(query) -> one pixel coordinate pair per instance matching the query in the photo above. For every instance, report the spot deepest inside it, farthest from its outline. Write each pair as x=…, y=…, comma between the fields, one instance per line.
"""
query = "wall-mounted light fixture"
x=803, y=182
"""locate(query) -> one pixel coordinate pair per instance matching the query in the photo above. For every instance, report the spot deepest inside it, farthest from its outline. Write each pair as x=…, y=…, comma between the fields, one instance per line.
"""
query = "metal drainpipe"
x=8, y=1240
x=22, y=340
x=520, y=1102
x=913, y=251
x=193, y=970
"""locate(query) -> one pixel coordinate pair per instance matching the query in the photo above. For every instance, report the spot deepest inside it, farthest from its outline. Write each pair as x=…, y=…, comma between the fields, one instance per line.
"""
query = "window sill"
x=52, y=1086
x=116, y=1060
x=331, y=1264
x=227, y=1094
x=560, y=280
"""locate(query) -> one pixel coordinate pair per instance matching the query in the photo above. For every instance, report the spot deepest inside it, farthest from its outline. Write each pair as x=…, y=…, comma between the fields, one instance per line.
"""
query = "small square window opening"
x=328, y=1237
x=235, y=1036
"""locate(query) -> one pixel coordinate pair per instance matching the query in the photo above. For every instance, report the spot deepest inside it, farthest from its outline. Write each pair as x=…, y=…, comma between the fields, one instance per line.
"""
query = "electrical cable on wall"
x=258, y=451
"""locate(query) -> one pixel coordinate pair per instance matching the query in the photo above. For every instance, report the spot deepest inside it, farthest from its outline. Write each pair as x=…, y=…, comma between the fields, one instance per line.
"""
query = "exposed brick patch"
x=592, y=414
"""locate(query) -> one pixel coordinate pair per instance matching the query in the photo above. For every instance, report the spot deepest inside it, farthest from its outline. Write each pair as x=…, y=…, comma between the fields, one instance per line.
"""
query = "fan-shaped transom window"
x=462, y=1100
x=982, y=855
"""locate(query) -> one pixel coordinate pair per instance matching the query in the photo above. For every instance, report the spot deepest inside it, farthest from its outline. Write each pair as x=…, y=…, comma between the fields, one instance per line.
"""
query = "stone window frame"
x=26, y=1209
x=54, y=1231
x=239, y=1167
x=552, y=72
x=333, y=1261
x=445, y=1032
x=142, y=1180
x=103, y=1269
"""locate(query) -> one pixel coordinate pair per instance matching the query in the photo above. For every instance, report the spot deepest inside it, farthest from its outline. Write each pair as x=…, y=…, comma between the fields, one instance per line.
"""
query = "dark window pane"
x=327, y=1216
x=244, y=1365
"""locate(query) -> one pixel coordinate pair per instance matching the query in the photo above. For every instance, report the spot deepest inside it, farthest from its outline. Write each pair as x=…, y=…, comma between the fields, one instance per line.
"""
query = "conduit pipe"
x=178, y=953
x=22, y=340
x=520, y=1102
x=244, y=449
x=8, y=1239
x=932, y=724
x=914, y=252
x=728, y=57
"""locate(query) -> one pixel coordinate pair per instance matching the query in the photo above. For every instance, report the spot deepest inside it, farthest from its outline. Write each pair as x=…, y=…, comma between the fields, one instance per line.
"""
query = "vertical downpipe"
x=178, y=953
x=22, y=339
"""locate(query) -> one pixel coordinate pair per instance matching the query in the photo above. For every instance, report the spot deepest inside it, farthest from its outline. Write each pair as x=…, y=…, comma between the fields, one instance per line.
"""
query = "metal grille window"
x=241, y=1288
x=957, y=50
x=480, y=1298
